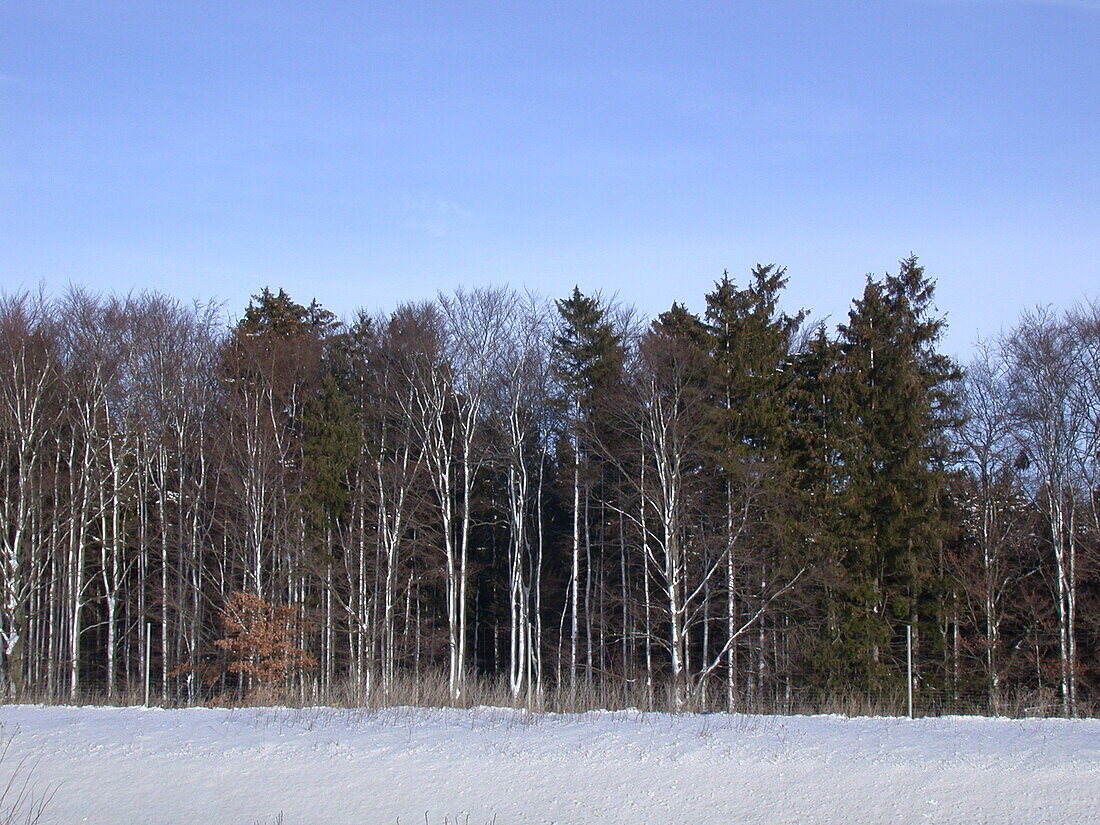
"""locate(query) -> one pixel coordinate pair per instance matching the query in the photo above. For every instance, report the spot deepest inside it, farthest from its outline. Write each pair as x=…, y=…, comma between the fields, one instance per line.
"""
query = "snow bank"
x=354, y=767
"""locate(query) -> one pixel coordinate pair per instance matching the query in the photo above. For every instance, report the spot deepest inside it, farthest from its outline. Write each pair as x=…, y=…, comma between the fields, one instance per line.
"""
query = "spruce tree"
x=819, y=420
x=274, y=363
x=588, y=360
x=278, y=315
x=899, y=401
x=749, y=345
x=332, y=442
x=588, y=351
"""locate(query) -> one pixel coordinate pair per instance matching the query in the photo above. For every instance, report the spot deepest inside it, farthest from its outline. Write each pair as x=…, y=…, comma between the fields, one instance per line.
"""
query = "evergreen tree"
x=332, y=442
x=274, y=362
x=819, y=420
x=899, y=405
x=749, y=342
x=588, y=351
x=588, y=360
x=277, y=314
x=677, y=322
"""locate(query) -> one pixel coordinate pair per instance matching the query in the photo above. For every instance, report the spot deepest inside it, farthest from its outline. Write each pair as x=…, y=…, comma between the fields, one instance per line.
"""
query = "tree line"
x=735, y=509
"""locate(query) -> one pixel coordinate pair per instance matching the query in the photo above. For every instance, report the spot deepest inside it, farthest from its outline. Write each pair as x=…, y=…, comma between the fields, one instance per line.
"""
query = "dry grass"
x=432, y=690
x=22, y=800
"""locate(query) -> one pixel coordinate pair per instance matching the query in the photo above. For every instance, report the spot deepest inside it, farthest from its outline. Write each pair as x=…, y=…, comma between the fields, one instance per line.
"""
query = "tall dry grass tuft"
x=22, y=800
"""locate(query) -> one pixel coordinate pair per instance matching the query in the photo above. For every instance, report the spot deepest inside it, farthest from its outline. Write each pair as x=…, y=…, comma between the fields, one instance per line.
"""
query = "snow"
x=324, y=766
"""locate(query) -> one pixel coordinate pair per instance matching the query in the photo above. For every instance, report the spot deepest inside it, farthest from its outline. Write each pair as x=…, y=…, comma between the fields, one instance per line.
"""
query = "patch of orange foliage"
x=259, y=640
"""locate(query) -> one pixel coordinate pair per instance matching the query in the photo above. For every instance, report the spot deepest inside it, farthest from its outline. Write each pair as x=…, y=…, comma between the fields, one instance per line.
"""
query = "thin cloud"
x=436, y=216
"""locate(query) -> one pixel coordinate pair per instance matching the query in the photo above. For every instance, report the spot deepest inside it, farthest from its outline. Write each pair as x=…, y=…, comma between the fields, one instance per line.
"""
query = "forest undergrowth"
x=432, y=691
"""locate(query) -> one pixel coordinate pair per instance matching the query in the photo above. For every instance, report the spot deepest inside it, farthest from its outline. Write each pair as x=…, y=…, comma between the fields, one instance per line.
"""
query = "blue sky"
x=370, y=152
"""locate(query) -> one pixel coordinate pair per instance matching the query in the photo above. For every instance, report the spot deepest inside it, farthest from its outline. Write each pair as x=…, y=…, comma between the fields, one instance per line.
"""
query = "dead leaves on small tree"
x=257, y=645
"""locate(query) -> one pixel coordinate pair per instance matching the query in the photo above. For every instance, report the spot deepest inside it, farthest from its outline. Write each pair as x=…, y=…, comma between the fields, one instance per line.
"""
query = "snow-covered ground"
x=352, y=767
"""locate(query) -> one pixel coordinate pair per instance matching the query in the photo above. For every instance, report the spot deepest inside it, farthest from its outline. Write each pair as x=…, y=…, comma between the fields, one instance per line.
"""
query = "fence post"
x=148, y=656
x=909, y=663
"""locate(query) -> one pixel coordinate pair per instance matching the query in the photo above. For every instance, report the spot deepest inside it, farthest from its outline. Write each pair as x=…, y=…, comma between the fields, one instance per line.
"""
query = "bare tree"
x=523, y=387
x=458, y=352
x=990, y=453
x=1044, y=367
x=28, y=376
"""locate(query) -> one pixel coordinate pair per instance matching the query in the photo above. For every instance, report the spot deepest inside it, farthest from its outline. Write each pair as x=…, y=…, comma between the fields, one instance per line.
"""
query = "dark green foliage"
x=588, y=351
x=682, y=325
x=331, y=447
x=816, y=408
x=277, y=314
x=895, y=392
x=679, y=343
x=588, y=361
x=750, y=343
x=279, y=343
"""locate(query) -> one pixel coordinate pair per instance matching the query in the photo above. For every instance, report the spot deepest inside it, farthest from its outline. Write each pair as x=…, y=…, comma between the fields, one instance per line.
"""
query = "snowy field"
x=131, y=766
